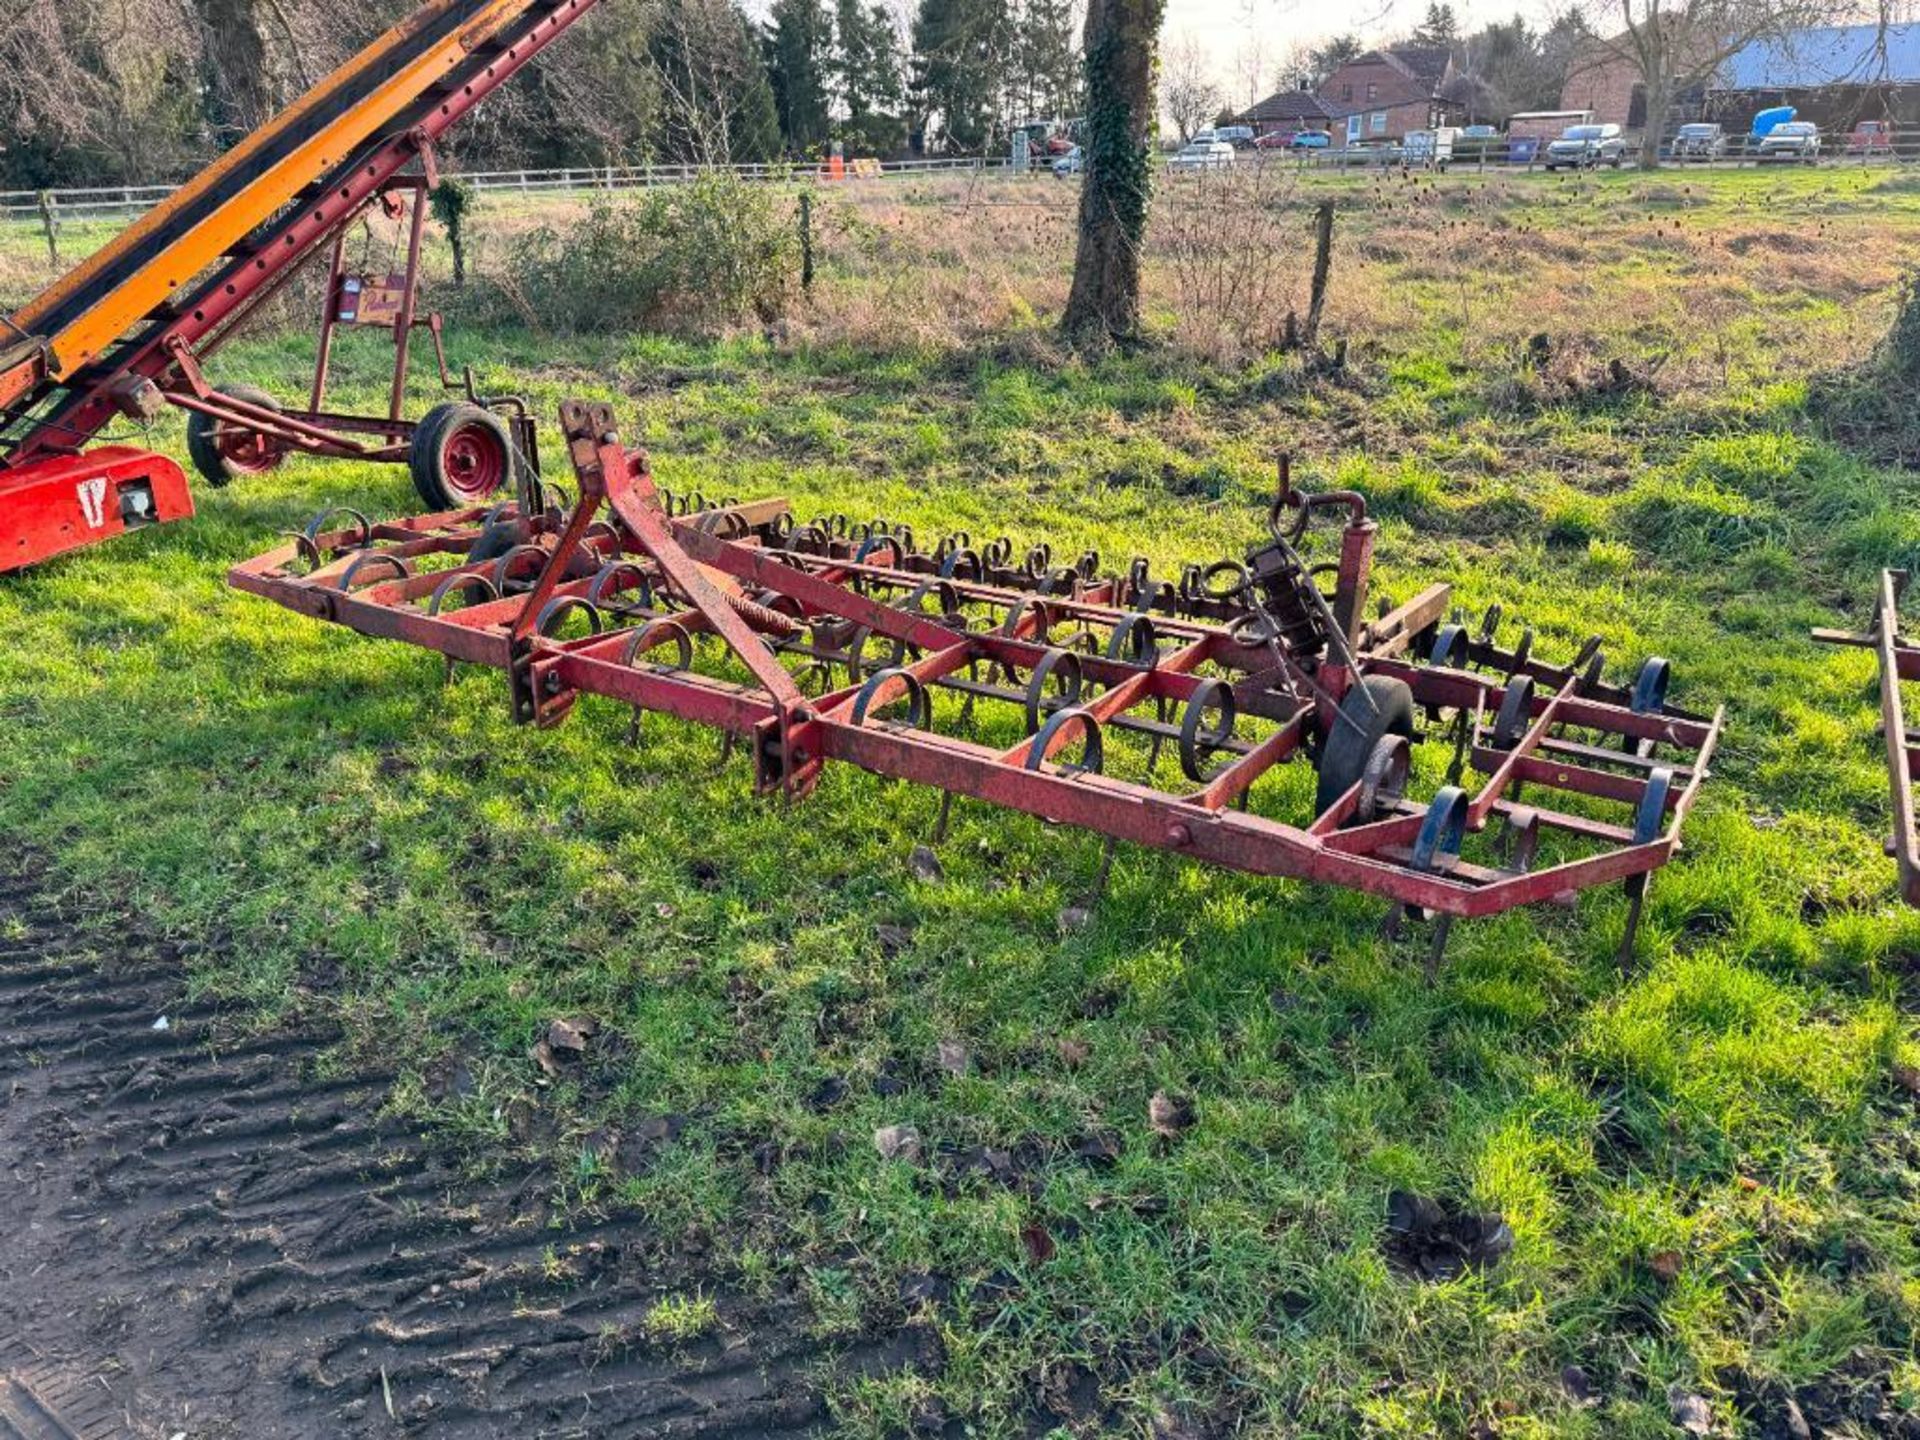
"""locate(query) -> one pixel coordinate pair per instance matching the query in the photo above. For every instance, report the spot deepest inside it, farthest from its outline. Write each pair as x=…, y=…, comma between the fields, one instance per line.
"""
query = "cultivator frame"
x=1898, y=659
x=660, y=584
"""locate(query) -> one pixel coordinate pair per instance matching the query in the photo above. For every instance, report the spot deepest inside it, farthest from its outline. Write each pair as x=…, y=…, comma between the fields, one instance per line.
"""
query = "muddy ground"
x=212, y=1233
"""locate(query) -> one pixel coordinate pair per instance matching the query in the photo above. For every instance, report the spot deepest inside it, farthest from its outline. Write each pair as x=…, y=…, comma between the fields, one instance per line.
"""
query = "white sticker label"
x=93, y=500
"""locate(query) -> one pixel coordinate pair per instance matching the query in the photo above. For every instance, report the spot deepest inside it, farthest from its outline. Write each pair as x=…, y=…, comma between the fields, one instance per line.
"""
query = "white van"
x=1430, y=147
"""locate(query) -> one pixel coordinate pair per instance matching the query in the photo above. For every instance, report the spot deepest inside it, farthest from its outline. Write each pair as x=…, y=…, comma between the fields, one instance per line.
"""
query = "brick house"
x=1287, y=113
x=1385, y=93
x=1604, y=78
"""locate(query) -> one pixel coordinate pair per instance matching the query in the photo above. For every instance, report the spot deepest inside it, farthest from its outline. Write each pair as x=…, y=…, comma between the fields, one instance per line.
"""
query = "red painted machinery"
x=1048, y=687
x=1899, y=659
x=124, y=335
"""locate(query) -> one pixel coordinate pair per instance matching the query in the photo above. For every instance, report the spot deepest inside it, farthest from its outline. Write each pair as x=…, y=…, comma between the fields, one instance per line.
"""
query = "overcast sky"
x=1241, y=36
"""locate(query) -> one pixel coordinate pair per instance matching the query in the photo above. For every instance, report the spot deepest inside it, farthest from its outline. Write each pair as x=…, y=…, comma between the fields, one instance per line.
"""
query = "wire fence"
x=121, y=200
x=1499, y=153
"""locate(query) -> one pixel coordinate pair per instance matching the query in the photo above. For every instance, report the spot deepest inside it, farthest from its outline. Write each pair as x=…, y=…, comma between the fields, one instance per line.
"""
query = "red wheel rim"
x=473, y=462
x=246, y=451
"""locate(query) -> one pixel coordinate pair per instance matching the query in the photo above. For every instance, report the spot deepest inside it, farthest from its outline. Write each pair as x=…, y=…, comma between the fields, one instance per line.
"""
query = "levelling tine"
x=1457, y=766
x=1105, y=871
x=1636, y=887
x=1391, y=926
x=1442, y=928
x=946, y=813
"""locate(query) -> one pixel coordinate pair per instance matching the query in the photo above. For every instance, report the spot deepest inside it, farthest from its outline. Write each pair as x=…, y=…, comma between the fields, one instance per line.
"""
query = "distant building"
x=1604, y=80
x=1380, y=95
x=1384, y=93
x=1835, y=75
x=1287, y=113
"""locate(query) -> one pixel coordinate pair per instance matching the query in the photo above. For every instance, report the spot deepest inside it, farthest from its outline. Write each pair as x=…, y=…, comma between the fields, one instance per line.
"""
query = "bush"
x=686, y=259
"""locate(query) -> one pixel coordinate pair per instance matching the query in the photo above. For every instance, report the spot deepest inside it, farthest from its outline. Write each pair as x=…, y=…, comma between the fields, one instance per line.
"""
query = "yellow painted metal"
x=110, y=314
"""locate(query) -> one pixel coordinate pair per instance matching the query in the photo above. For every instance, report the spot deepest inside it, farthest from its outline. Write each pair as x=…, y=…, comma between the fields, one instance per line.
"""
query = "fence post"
x=1322, y=263
x=50, y=223
x=806, y=240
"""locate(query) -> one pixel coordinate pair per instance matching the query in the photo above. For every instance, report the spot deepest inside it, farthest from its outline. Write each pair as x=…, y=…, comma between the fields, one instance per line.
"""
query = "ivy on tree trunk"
x=1117, y=175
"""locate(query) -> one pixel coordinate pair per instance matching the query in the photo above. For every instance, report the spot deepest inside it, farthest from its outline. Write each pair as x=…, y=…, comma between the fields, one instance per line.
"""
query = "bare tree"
x=1188, y=92
x=1252, y=65
x=104, y=86
x=1674, y=46
x=1121, y=38
x=235, y=74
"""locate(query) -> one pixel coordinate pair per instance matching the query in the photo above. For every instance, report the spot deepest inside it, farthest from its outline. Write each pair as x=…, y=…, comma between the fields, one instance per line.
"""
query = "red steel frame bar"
x=764, y=602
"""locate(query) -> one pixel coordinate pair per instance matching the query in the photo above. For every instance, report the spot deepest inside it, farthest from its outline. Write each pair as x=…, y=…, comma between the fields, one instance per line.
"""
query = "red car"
x=1871, y=137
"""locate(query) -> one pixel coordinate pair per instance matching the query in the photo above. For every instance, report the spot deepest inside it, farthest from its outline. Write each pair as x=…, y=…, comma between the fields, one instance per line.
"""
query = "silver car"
x=1795, y=140
x=1202, y=155
x=1581, y=147
x=1699, y=140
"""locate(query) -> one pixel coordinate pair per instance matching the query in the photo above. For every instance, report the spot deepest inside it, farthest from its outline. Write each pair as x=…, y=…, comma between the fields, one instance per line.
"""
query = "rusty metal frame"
x=655, y=576
x=1898, y=659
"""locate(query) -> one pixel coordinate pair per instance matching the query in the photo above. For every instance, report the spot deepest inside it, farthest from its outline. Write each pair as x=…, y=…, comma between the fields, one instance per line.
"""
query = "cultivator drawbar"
x=1899, y=659
x=1145, y=709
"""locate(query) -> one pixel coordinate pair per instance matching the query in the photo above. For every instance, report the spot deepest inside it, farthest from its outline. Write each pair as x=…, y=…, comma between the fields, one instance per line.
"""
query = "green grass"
x=326, y=826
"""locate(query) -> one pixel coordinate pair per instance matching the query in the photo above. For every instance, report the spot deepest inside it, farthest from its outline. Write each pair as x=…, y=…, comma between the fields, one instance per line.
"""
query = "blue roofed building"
x=1835, y=75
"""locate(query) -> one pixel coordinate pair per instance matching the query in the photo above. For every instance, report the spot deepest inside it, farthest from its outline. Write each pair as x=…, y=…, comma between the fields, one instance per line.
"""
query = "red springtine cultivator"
x=833, y=641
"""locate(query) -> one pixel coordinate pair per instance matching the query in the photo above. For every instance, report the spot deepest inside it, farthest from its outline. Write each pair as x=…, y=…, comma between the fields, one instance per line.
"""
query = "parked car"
x=1293, y=140
x=1071, y=163
x=1871, y=137
x=1238, y=136
x=1794, y=140
x=1699, y=140
x=1582, y=147
x=1202, y=155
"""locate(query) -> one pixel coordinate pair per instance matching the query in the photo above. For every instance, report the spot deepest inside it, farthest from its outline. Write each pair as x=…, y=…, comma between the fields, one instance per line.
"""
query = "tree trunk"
x=1659, y=106
x=1104, y=305
x=239, y=85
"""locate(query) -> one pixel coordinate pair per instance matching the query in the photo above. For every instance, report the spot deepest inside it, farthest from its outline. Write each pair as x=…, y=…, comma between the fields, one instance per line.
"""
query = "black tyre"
x=223, y=452
x=1379, y=706
x=460, y=454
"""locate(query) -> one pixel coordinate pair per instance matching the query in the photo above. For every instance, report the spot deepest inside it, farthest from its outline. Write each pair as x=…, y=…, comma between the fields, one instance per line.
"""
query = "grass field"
x=1710, y=1169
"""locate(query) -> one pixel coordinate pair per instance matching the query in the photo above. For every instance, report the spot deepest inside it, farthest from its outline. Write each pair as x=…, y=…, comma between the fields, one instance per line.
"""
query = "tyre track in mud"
x=207, y=1231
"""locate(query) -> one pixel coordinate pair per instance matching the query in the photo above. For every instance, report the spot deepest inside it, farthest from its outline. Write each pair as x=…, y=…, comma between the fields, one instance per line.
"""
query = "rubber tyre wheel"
x=1381, y=706
x=460, y=454
x=223, y=458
